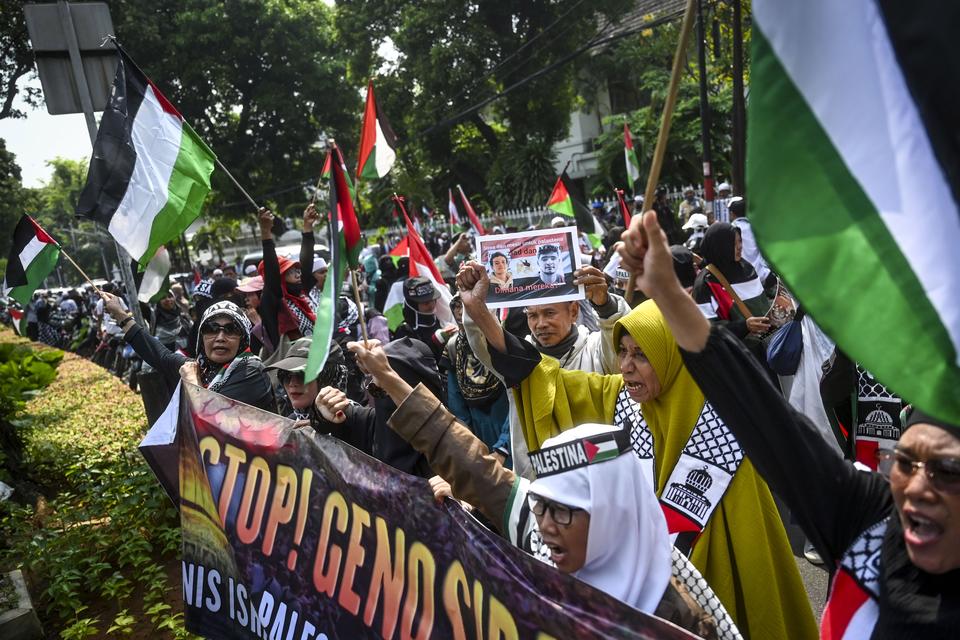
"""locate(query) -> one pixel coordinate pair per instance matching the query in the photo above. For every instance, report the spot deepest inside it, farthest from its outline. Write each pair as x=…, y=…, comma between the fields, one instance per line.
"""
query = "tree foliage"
x=261, y=82
x=16, y=60
x=641, y=65
x=444, y=51
x=13, y=197
x=53, y=205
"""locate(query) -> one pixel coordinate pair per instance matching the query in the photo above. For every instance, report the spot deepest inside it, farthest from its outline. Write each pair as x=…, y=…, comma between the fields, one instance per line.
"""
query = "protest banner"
x=531, y=267
x=293, y=536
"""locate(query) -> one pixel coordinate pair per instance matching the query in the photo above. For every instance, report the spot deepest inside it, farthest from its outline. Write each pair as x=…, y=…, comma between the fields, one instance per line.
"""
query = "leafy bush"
x=96, y=552
x=23, y=373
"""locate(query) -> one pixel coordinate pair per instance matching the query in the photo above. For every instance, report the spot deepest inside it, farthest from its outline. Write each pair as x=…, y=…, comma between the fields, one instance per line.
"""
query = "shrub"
x=96, y=550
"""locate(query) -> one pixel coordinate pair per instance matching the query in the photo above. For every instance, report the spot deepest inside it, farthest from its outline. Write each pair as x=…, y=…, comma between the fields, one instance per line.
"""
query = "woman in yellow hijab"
x=720, y=509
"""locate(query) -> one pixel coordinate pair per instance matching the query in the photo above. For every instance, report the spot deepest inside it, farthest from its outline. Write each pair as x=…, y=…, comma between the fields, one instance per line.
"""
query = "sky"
x=41, y=137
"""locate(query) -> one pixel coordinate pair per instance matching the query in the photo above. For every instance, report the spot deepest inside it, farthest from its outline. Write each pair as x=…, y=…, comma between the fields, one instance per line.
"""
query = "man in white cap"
x=560, y=221
x=690, y=204
x=697, y=225
x=721, y=205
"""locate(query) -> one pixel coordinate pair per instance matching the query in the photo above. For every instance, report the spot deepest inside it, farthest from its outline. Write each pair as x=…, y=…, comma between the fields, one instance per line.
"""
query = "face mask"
x=294, y=288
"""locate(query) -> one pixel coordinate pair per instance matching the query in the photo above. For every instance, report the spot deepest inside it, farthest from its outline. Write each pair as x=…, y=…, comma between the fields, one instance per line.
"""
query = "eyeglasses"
x=231, y=329
x=559, y=513
x=943, y=473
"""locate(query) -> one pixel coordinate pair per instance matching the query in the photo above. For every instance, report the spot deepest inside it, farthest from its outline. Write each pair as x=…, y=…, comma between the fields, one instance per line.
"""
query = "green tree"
x=638, y=69
x=53, y=206
x=261, y=82
x=444, y=51
x=16, y=59
x=13, y=197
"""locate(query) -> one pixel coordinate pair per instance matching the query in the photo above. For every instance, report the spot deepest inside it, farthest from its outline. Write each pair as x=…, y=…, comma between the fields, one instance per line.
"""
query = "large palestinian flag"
x=150, y=172
x=377, y=142
x=854, y=171
x=33, y=255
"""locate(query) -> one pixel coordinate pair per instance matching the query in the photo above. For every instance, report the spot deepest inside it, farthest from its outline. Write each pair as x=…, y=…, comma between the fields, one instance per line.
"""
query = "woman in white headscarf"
x=595, y=514
x=626, y=550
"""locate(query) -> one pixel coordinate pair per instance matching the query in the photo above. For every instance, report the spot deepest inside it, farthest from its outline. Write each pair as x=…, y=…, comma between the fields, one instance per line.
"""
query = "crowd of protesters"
x=686, y=381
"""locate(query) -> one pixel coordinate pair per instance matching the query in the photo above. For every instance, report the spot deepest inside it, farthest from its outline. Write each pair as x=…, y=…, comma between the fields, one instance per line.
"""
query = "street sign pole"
x=86, y=103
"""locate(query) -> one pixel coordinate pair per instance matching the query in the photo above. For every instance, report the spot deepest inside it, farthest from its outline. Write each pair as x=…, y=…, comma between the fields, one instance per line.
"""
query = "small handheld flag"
x=378, y=144
x=33, y=255
x=344, y=252
x=630, y=156
x=471, y=214
x=454, y=215
x=560, y=200
x=624, y=209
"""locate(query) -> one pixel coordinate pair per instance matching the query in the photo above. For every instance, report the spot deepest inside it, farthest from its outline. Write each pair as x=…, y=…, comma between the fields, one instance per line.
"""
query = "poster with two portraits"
x=531, y=267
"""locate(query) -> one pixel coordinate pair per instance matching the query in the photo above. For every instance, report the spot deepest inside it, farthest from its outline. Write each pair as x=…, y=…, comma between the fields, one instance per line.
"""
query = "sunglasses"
x=230, y=329
x=559, y=513
x=943, y=473
x=290, y=376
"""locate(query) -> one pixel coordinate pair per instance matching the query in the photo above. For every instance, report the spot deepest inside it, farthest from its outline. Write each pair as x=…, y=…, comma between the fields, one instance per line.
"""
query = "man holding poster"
x=531, y=267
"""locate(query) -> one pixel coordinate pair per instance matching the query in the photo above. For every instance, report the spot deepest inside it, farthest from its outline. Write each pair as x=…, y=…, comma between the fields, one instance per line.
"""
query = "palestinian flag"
x=19, y=317
x=344, y=253
x=33, y=255
x=471, y=214
x=598, y=233
x=454, y=215
x=377, y=143
x=560, y=200
x=600, y=451
x=150, y=172
x=421, y=264
x=624, y=209
x=393, y=307
x=854, y=176
x=325, y=174
x=630, y=156
x=155, y=283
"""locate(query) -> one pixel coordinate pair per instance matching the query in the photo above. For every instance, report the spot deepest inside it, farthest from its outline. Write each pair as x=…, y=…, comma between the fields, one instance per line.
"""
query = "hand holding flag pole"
x=659, y=151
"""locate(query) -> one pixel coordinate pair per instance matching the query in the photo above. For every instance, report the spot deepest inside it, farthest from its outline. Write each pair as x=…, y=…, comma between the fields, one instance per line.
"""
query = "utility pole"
x=704, y=110
x=739, y=108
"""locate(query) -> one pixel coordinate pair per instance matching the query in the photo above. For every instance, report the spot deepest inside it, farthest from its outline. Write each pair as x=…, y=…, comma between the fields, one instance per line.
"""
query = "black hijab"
x=718, y=248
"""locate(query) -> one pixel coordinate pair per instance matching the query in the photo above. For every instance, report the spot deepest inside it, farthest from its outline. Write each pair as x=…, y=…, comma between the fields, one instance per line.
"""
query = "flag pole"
x=237, y=184
x=77, y=267
x=356, y=297
x=659, y=151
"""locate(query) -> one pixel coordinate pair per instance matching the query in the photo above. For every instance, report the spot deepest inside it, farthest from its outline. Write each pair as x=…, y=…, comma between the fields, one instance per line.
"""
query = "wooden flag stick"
x=356, y=297
x=656, y=163
x=77, y=267
x=237, y=185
